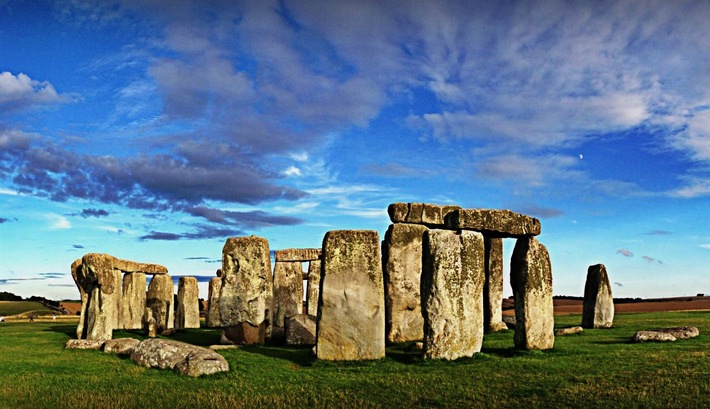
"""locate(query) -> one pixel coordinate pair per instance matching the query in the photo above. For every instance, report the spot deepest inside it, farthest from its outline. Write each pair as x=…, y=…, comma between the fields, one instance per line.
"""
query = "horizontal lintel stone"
x=420, y=213
x=493, y=222
x=297, y=254
x=128, y=266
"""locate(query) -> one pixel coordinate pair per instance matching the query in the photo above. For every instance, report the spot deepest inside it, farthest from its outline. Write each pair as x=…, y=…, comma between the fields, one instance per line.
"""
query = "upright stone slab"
x=351, y=314
x=453, y=276
x=160, y=301
x=531, y=279
x=313, y=287
x=118, y=318
x=187, y=309
x=212, y=319
x=288, y=294
x=402, y=259
x=493, y=289
x=134, y=298
x=246, y=295
x=96, y=280
x=598, y=308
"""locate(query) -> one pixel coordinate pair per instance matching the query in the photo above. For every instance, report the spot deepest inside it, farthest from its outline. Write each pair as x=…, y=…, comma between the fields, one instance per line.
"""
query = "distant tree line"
x=6, y=296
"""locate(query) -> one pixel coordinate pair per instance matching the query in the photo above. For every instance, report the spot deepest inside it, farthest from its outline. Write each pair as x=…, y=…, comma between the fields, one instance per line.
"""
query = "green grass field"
x=19, y=307
x=599, y=368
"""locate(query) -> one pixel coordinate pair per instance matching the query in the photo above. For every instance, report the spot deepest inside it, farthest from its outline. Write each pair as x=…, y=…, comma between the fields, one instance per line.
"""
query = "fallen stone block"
x=653, y=336
x=569, y=331
x=183, y=358
x=85, y=344
x=121, y=346
x=301, y=330
x=665, y=334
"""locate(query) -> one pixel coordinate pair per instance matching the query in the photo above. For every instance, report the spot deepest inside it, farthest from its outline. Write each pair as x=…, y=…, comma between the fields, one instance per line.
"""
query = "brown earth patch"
x=564, y=307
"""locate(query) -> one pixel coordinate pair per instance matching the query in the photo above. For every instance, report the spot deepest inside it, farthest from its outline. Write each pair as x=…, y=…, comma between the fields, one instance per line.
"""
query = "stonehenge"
x=435, y=279
x=98, y=277
x=532, y=272
x=598, y=307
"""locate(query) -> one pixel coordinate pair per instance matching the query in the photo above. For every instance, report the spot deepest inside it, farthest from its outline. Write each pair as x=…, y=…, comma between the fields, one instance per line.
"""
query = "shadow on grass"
x=69, y=330
x=300, y=355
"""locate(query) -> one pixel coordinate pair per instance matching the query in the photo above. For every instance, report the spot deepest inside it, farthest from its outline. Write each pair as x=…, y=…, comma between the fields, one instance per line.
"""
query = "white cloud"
x=58, y=222
x=18, y=91
x=705, y=246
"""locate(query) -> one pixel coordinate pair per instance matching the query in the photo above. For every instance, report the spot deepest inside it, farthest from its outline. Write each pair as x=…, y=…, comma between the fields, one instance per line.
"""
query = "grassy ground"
x=599, y=368
x=19, y=307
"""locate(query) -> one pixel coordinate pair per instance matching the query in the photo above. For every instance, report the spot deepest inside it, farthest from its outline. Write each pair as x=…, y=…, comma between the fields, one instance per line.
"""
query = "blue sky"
x=153, y=130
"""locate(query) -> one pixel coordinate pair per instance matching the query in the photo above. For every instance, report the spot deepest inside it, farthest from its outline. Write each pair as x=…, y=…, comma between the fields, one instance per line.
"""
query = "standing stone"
x=96, y=280
x=313, y=287
x=246, y=295
x=187, y=310
x=402, y=251
x=598, y=309
x=288, y=294
x=118, y=318
x=453, y=275
x=213, y=299
x=351, y=316
x=134, y=297
x=80, y=280
x=493, y=289
x=531, y=279
x=160, y=301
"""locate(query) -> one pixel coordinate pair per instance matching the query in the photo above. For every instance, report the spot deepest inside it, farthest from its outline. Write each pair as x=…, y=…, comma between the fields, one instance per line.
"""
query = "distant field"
x=19, y=307
x=599, y=368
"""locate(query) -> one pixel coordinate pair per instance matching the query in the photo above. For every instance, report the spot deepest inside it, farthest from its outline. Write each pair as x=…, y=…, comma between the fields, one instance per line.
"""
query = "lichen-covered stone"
x=128, y=266
x=160, y=300
x=493, y=289
x=531, y=279
x=598, y=307
x=297, y=254
x=183, y=358
x=134, y=299
x=452, y=281
x=313, y=287
x=493, y=222
x=288, y=292
x=351, y=314
x=212, y=318
x=85, y=344
x=666, y=334
x=187, y=309
x=246, y=294
x=402, y=259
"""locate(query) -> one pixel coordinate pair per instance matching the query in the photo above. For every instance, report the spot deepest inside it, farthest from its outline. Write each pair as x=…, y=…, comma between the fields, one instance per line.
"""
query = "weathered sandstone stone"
x=301, y=330
x=531, y=279
x=118, y=298
x=666, y=334
x=653, y=336
x=509, y=321
x=150, y=324
x=493, y=223
x=127, y=266
x=493, y=288
x=244, y=333
x=313, y=287
x=85, y=344
x=453, y=275
x=121, y=346
x=185, y=359
x=134, y=298
x=598, y=307
x=212, y=319
x=351, y=316
x=187, y=310
x=569, y=331
x=420, y=213
x=160, y=300
x=297, y=254
x=96, y=278
x=246, y=295
x=402, y=259
x=288, y=293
